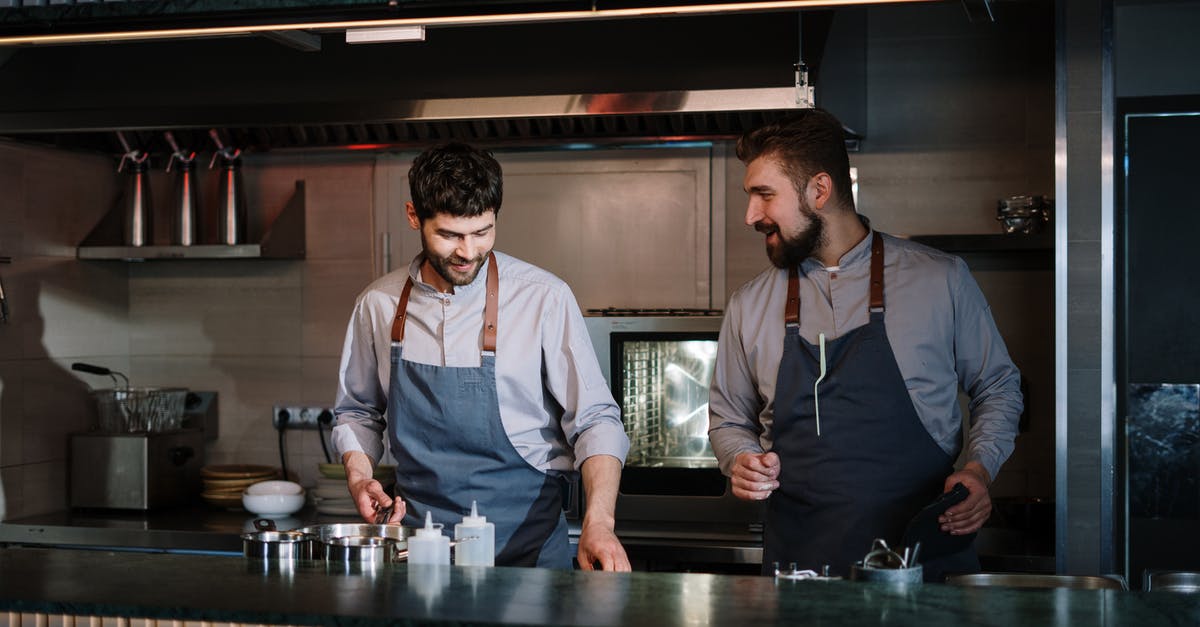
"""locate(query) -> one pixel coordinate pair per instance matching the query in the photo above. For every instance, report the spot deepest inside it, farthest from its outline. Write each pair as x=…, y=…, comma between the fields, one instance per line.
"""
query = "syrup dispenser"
x=184, y=231
x=231, y=202
x=138, y=211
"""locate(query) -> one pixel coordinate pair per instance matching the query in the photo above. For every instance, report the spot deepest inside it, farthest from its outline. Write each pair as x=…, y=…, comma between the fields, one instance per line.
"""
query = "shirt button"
x=832, y=275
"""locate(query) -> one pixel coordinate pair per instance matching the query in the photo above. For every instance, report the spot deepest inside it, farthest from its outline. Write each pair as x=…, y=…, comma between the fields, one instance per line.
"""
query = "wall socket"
x=299, y=416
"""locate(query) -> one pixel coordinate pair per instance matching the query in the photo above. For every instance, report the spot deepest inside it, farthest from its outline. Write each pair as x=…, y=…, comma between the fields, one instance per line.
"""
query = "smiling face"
x=455, y=247
x=794, y=231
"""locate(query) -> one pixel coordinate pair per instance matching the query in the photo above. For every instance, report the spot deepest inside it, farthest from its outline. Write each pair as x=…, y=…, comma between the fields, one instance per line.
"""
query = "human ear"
x=413, y=221
x=819, y=190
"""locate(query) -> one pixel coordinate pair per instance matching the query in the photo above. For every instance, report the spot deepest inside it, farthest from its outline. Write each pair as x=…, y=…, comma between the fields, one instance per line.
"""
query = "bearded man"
x=835, y=395
x=479, y=370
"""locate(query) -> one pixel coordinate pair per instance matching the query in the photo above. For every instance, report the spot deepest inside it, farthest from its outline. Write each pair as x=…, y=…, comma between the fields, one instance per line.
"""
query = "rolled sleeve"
x=987, y=374
x=591, y=419
x=733, y=400
x=359, y=423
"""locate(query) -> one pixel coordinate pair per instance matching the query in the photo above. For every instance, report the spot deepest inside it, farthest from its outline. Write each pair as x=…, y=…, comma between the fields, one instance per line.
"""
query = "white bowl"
x=275, y=487
x=272, y=504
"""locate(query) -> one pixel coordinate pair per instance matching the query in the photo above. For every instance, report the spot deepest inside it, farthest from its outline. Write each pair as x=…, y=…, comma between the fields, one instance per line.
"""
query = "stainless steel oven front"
x=659, y=368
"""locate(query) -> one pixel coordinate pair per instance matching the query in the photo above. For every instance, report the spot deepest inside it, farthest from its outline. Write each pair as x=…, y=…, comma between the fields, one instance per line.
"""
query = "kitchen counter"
x=234, y=589
x=201, y=528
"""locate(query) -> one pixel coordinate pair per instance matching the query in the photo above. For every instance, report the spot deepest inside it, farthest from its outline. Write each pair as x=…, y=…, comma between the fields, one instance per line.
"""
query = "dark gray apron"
x=451, y=448
x=873, y=466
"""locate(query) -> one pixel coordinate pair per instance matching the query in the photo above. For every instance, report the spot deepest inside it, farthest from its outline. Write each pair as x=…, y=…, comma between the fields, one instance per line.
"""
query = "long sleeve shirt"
x=555, y=406
x=938, y=324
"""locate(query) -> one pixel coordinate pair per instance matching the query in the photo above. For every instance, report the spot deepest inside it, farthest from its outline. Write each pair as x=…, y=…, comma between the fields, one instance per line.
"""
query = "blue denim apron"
x=873, y=466
x=451, y=448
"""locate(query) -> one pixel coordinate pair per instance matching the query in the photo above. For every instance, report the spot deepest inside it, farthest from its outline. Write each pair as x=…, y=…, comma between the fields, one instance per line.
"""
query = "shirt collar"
x=859, y=254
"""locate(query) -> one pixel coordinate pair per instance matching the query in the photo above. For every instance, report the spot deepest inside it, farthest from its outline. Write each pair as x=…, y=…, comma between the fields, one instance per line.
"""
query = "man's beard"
x=790, y=251
x=443, y=266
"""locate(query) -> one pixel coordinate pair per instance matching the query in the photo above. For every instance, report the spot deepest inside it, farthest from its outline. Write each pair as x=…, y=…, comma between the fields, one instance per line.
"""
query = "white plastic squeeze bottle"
x=476, y=539
x=428, y=545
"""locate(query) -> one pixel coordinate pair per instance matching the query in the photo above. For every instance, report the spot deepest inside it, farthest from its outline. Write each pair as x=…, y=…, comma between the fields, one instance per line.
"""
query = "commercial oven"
x=658, y=364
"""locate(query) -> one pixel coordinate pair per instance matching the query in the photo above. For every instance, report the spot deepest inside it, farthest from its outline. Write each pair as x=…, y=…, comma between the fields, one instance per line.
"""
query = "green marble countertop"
x=235, y=589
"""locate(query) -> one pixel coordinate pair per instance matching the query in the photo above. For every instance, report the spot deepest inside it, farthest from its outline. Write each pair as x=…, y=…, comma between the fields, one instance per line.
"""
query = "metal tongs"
x=882, y=556
x=382, y=514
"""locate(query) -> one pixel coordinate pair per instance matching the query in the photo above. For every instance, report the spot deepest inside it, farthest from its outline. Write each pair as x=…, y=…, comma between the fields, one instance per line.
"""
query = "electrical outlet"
x=299, y=416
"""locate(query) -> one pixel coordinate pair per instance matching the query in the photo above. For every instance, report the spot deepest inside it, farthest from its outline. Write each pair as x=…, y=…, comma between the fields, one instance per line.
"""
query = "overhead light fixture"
x=385, y=34
x=449, y=20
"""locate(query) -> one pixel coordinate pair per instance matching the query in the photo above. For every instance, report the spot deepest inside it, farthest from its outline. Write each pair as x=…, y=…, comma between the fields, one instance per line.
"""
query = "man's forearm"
x=358, y=466
x=601, y=480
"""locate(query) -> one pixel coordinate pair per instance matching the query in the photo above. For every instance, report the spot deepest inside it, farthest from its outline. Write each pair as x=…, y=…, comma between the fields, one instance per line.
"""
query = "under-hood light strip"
x=453, y=20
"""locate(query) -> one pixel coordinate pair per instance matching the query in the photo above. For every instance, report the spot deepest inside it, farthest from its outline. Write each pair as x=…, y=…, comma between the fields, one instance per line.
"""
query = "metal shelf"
x=283, y=239
x=988, y=242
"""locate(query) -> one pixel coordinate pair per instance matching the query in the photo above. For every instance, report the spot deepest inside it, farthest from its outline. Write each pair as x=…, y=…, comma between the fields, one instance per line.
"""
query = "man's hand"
x=597, y=540
x=598, y=543
x=755, y=475
x=368, y=494
x=968, y=516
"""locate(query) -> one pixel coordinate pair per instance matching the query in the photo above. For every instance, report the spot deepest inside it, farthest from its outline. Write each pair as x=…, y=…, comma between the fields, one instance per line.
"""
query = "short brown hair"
x=805, y=144
x=455, y=179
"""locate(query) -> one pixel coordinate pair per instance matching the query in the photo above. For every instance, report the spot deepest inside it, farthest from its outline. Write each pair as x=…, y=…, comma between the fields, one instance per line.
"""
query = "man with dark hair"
x=480, y=369
x=835, y=394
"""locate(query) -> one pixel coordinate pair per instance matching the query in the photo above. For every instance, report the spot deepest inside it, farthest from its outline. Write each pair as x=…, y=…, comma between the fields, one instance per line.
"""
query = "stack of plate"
x=223, y=485
x=333, y=497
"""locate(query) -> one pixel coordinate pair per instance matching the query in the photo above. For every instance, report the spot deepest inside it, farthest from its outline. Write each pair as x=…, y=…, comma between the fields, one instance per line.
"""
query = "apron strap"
x=490, y=309
x=877, y=272
x=791, y=313
x=401, y=313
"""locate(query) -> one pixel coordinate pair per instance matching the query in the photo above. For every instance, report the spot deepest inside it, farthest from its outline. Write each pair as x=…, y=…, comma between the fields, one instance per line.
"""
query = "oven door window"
x=662, y=386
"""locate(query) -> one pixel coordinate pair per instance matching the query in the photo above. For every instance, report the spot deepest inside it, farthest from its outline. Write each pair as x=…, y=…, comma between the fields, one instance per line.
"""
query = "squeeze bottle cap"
x=474, y=519
x=429, y=529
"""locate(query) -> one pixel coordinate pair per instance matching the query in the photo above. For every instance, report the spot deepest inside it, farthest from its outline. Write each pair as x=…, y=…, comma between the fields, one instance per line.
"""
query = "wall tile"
x=66, y=195
x=45, y=488
x=216, y=307
x=12, y=483
x=69, y=308
x=330, y=289
x=319, y=381
x=12, y=414
x=56, y=404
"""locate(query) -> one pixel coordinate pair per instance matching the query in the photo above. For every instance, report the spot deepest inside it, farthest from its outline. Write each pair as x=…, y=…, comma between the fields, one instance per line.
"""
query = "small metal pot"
x=277, y=545
x=367, y=551
x=912, y=575
x=323, y=534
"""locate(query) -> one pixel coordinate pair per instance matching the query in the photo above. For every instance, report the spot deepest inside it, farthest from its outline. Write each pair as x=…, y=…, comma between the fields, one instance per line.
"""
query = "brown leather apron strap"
x=491, y=306
x=877, y=272
x=401, y=312
x=791, y=309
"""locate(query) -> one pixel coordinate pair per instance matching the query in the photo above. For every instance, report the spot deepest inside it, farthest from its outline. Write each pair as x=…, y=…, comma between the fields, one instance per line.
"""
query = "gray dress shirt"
x=556, y=408
x=938, y=324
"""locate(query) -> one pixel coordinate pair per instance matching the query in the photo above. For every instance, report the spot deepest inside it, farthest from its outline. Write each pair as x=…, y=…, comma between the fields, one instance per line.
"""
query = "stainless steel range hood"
x=599, y=118
x=605, y=82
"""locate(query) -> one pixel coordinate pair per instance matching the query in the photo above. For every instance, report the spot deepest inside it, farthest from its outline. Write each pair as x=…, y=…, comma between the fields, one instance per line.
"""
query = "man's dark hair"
x=804, y=144
x=456, y=179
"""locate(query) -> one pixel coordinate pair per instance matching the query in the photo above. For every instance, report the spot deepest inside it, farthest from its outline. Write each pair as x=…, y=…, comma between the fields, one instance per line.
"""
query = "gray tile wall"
x=61, y=311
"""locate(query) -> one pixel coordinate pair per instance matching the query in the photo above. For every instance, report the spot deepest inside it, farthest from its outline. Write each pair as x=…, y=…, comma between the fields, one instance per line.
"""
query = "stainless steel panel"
x=135, y=471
